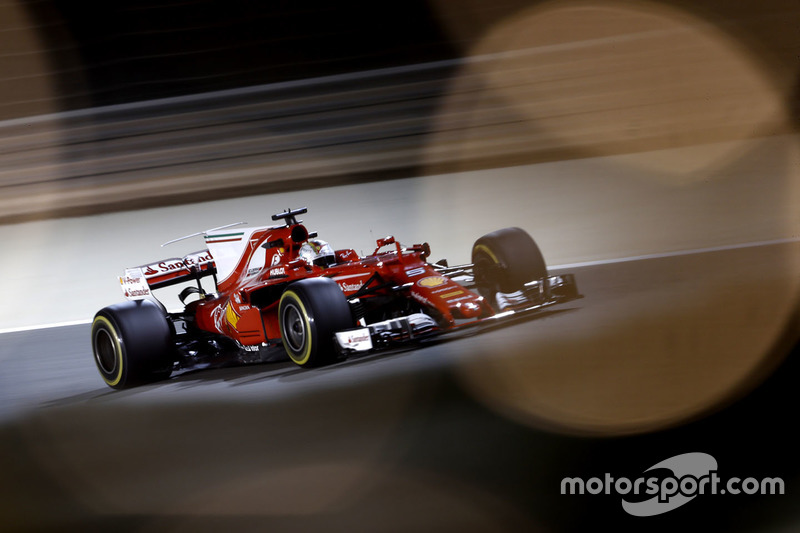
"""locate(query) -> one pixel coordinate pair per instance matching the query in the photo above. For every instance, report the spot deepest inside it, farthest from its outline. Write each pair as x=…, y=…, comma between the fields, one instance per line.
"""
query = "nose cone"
x=469, y=309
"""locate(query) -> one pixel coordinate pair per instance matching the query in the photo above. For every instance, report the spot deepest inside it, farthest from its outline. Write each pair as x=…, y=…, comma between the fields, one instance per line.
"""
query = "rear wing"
x=139, y=281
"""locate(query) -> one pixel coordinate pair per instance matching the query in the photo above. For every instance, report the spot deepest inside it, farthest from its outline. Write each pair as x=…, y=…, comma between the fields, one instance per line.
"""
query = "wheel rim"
x=294, y=330
x=487, y=286
x=105, y=352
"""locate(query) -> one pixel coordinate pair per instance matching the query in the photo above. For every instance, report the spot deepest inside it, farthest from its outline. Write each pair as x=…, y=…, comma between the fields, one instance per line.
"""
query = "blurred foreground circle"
x=677, y=139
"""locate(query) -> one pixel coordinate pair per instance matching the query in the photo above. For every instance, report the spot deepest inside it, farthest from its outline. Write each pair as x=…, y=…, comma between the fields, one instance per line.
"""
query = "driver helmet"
x=317, y=252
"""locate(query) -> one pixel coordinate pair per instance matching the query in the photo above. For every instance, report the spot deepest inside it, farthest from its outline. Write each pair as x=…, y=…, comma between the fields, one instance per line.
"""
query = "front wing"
x=535, y=296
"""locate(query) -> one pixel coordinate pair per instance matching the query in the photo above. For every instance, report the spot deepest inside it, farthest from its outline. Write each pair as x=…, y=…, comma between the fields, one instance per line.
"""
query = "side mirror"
x=386, y=240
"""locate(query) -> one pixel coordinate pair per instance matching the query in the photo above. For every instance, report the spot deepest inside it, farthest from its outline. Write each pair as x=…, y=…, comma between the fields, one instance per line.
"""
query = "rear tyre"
x=310, y=312
x=505, y=260
x=132, y=344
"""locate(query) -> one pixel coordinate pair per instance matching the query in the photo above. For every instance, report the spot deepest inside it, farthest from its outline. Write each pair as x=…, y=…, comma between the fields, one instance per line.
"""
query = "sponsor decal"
x=134, y=293
x=432, y=281
x=164, y=267
x=413, y=272
x=276, y=258
x=347, y=255
x=224, y=237
x=133, y=283
x=231, y=316
x=130, y=278
x=443, y=289
x=197, y=259
x=253, y=271
x=360, y=337
x=358, y=340
x=274, y=272
x=171, y=266
x=451, y=294
x=454, y=300
x=422, y=299
x=349, y=287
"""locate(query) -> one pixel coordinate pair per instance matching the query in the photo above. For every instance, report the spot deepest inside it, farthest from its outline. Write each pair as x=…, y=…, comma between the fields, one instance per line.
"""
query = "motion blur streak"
x=624, y=80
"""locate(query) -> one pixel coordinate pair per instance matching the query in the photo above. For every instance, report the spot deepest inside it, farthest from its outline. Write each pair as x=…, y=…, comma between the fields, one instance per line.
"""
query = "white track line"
x=46, y=326
x=676, y=253
x=553, y=267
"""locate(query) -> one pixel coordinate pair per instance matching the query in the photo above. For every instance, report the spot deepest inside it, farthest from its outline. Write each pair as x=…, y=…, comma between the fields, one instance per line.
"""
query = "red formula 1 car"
x=280, y=291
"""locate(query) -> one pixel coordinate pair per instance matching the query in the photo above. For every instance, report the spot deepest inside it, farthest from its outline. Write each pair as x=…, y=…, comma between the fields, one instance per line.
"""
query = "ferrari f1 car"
x=279, y=291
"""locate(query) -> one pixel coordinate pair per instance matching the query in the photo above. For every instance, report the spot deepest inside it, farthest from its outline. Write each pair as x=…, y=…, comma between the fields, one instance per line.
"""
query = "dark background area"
x=138, y=50
x=113, y=52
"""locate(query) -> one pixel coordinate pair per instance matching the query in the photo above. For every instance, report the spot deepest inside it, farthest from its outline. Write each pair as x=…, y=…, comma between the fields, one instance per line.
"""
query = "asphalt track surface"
x=663, y=356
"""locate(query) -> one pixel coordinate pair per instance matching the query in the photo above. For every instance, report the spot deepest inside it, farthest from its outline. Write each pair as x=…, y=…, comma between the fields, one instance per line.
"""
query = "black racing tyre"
x=310, y=312
x=132, y=344
x=505, y=260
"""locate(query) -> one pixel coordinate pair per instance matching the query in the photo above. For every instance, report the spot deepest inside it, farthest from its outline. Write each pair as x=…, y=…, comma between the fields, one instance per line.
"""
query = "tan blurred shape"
x=682, y=110
x=646, y=354
x=577, y=79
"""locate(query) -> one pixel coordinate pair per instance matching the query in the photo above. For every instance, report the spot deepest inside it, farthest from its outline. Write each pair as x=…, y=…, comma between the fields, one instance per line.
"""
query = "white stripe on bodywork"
x=228, y=254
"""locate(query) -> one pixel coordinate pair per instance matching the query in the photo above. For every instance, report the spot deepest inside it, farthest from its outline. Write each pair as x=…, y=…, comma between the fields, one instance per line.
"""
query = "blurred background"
x=151, y=103
x=649, y=147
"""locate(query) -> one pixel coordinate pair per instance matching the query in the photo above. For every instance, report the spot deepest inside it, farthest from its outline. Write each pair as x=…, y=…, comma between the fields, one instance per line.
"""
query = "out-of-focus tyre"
x=132, y=344
x=505, y=260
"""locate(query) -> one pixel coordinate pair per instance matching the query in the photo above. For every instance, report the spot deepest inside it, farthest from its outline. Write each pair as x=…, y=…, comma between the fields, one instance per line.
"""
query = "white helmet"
x=317, y=252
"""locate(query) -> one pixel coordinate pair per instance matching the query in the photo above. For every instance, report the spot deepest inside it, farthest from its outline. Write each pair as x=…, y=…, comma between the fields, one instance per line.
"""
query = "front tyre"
x=310, y=312
x=504, y=260
x=132, y=344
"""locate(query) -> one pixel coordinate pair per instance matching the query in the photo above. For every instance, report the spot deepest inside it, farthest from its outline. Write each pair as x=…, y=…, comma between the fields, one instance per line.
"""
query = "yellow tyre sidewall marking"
x=307, y=352
x=488, y=251
x=117, y=352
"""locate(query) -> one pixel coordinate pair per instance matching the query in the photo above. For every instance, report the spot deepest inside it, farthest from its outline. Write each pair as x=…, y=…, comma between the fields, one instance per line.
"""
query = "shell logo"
x=432, y=281
x=231, y=316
